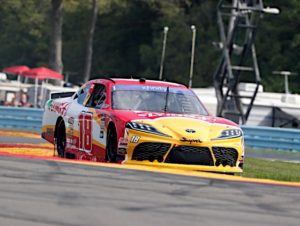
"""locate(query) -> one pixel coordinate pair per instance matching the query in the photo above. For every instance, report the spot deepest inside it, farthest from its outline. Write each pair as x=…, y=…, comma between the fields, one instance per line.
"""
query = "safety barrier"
x=272, y=138
x=14, y=118
x=30, y=119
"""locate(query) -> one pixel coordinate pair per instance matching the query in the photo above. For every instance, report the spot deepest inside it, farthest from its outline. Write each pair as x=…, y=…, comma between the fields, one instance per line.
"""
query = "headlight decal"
x=145, y=128
x=229, y=133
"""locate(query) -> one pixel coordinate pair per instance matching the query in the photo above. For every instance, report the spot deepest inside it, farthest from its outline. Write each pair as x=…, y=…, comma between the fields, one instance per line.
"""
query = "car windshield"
x=156, y=99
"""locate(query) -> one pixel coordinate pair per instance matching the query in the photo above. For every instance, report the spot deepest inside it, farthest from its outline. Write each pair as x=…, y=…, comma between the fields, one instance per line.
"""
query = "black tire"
x=111, y=145
x=61, y=139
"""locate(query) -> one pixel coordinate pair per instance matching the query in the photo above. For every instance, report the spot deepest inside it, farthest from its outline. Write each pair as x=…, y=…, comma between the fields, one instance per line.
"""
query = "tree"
x=89, y=42
x=23, y=36
x=55, y=50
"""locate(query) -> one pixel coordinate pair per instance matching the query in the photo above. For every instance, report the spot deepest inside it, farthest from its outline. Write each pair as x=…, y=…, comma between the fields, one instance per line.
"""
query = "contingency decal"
x=71, y=140
x=101, y=118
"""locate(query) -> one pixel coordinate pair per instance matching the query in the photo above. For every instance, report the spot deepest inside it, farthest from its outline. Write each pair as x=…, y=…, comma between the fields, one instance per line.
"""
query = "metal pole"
x=166, y=29
x=286, y=83
x=192, y=55
x=35, y=92
x=286, y=79
x=67, y=77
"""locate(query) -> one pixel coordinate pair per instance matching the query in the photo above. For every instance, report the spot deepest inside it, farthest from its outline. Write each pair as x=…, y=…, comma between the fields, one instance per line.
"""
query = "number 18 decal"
x=85, y=132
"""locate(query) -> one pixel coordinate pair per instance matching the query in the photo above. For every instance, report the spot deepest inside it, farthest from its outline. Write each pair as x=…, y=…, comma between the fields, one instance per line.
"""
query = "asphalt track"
x=40, y=192
x=52, y=192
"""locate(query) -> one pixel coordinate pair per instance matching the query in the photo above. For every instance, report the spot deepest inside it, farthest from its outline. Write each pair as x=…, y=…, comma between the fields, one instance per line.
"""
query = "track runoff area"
x=30, y=145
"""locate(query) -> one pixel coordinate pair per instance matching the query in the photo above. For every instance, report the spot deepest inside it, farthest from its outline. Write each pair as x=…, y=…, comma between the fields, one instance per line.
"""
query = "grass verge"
x=270, y=169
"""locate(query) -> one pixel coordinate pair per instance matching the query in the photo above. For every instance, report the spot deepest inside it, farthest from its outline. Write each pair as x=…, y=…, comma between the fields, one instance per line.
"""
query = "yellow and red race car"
x=142, y=122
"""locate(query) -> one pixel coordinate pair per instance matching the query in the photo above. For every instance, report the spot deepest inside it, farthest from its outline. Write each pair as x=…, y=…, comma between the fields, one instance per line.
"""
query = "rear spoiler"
x=61, y=94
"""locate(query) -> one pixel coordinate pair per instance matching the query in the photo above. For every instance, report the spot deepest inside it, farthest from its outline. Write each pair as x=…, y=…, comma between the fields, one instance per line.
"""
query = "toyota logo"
x=190, y=131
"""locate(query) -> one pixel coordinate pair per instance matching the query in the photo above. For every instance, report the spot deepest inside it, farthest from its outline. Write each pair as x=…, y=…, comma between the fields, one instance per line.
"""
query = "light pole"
x=166, y=29
x=192, y=55
x=286, y=79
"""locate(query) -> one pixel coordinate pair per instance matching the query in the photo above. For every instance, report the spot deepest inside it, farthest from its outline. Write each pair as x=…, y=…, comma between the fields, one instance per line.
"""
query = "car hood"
x=195, y=128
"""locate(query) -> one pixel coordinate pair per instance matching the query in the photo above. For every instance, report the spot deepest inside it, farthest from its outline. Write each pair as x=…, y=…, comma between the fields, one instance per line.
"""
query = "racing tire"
x=111, y=146
x=61, y=139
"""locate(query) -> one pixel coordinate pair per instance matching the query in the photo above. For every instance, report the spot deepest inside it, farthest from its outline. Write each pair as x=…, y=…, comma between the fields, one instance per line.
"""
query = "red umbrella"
x=16, y=69
x=42, y=73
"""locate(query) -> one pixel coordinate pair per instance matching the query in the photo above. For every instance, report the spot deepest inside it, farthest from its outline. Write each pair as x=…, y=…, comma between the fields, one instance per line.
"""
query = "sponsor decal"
x=157, y=114
x=122, y=151
x=71, y=143
x=102, y=120
x=60, y=108
x=101, y=134
x=155, y=88
x=49, y=103
x=70, y=130
x=123, y=146
x=184, y=139
x=71, y=120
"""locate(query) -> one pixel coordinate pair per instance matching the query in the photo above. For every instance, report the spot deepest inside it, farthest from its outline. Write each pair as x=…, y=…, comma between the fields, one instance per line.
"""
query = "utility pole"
x=286, y=75
x=166, y=29
x=192, y=55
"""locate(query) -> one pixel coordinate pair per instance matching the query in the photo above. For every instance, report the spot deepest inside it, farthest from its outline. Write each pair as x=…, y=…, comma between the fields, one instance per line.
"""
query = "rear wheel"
x=61, y=139
x=111, y=145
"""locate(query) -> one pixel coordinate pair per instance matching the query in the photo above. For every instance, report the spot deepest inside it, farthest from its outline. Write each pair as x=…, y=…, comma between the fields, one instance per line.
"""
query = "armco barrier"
x=14, y=118
x=30, y=119
x=272, y=138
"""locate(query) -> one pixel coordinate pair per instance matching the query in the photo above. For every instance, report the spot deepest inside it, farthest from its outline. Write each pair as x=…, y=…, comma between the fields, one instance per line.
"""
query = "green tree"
x=24, y=34
x=55, y=50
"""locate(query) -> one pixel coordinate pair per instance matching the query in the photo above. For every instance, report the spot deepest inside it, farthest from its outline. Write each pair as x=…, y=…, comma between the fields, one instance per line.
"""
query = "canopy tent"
x=42, y=73
x=16, y=69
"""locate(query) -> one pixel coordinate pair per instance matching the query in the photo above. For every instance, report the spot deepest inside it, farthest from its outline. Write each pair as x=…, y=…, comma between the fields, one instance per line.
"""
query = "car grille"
x=190, y=155
x=225, y=156
x=150, y=151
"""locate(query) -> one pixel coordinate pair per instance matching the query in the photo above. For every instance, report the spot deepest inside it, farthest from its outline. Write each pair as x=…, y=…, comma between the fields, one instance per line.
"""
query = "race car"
x=139, y=121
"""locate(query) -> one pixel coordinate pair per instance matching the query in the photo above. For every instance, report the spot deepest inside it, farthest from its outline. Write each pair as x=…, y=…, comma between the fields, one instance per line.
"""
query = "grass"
x=269, y=169
x=271, y=151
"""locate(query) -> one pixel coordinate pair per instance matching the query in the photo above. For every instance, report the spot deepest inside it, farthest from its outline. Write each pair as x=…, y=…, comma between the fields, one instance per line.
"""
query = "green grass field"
x=270, y=169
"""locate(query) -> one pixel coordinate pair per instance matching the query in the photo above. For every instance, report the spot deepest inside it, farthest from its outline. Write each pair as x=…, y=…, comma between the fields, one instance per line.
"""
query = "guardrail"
x=272, y=138
x=14, y=118
x=30, y=119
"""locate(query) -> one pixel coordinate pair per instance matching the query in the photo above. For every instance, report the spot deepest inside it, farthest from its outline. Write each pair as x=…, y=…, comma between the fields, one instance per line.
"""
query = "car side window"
x=98, y=97
x=81, y=95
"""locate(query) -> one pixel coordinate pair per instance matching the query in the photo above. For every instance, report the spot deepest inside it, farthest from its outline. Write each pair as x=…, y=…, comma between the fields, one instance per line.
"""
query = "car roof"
x=119, y=81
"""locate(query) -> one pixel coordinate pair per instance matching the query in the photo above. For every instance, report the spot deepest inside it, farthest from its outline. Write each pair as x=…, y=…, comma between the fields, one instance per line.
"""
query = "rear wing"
x=61, y=94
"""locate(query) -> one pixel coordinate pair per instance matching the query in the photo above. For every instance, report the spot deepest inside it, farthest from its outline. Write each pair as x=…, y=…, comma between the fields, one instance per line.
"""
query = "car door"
x=96, y=106
x=78, y=122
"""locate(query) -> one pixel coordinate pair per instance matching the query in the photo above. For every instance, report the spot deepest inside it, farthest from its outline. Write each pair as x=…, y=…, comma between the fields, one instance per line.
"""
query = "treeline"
x=128, y=39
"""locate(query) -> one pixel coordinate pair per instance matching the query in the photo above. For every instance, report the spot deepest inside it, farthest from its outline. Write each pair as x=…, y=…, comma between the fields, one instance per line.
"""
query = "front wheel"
x=111, y=146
